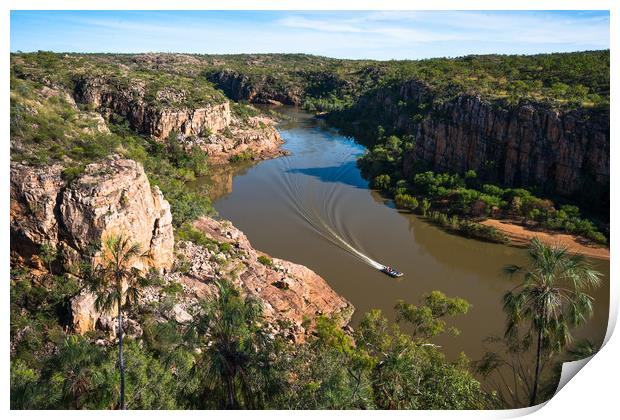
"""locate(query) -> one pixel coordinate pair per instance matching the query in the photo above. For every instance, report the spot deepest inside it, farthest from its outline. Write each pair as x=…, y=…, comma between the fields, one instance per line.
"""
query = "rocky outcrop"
x=110, y=197
x=108, y=97
x=262, y=90
x=291, y=294
x=212, y=127
x=523, y=145
x=256, y=139
x=115, y=197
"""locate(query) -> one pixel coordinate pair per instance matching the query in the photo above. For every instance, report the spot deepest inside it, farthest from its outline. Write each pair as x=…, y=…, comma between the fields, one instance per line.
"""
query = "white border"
x=591, y=394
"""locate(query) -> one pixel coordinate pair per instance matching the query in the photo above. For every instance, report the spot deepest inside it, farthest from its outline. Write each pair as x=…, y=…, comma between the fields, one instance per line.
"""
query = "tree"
x=382, y=182
x=231, y=340
x=48, y=255
x=425, y=206
x=407, y=372
x=550, y=299
x=116, y=283
x=427, y=319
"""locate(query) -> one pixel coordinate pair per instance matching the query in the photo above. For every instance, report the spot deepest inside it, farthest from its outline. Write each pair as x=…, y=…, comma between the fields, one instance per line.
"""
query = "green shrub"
x=405, y=201
x=382, y=182
x=241, y=157
x=265, y=260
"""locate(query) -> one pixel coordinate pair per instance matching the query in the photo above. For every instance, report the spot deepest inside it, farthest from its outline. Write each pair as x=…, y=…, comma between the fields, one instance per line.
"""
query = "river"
x=314, y=208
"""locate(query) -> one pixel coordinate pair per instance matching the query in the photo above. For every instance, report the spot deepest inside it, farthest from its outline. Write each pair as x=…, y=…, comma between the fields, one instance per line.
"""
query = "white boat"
x=391, y=272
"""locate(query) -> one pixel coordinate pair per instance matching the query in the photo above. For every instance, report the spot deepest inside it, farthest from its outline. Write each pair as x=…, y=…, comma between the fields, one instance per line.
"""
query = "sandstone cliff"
x=264, y=90
x=212, y=127
x=112, y=197
x=108, y=97
x=524, y=145
x=108, y=198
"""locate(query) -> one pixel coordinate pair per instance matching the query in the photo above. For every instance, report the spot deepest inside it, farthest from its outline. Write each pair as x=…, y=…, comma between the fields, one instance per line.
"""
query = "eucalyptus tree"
x=550, y=299
x=116, y=283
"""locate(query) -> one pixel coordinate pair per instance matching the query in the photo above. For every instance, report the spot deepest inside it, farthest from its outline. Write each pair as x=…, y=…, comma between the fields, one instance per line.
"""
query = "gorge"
x=291, y=149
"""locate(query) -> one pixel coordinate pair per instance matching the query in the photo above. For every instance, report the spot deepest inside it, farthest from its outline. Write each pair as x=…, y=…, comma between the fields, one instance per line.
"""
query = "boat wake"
x=317, y=204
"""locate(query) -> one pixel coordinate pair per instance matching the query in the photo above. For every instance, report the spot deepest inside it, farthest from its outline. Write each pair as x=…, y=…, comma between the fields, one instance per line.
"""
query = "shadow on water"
x=343, y=174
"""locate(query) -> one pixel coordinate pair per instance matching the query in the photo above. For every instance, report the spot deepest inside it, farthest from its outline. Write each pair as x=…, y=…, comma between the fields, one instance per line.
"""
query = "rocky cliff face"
x=107, y=98
x=108, y=198
x=524, y=145
x=239, y=87
x=211, y=127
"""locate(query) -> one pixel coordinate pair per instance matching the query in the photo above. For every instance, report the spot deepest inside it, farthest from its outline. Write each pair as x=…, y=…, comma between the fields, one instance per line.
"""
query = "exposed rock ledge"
x=289, y=292
x=210, y=126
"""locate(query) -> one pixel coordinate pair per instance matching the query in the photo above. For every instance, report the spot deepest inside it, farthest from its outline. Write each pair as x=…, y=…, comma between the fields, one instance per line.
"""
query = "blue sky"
x=347, y=34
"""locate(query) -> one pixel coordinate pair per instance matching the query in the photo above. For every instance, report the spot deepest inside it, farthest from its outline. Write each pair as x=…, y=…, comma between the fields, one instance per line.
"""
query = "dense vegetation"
x=226, y=358
x=564, y=80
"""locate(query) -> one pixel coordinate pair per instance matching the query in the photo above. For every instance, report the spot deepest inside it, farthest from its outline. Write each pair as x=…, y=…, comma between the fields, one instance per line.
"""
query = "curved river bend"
x=314, y=208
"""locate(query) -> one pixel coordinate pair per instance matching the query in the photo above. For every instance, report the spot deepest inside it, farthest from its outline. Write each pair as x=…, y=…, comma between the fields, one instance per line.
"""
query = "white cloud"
x=425, y=27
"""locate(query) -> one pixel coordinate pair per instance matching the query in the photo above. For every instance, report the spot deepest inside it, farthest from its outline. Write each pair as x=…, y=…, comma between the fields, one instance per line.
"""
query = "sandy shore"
x=521, y=236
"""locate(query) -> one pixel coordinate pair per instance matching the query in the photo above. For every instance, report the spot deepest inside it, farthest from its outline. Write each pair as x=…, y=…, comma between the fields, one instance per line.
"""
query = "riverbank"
x=520, y=236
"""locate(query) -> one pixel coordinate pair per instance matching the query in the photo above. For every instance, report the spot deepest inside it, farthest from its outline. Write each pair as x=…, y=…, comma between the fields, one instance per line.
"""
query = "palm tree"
x=550, y=299
x=116, y=282
x=229, y=325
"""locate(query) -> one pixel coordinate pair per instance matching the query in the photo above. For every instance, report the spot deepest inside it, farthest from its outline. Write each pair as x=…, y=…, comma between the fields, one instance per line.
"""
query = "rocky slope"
x=290, y=293
x=115, y=197
x=255, y=139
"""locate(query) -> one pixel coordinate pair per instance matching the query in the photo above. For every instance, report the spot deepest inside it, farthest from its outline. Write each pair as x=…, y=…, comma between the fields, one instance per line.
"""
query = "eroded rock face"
x=524, y=145
x=289, y=292
x=108, y=198
x=238, y=87
x=113, y=198
x=34, y=208
x=129, y=102
x=211, y=127
x=257, y=137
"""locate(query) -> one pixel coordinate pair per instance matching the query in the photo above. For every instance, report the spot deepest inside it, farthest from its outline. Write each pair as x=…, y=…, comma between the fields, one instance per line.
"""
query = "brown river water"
x=314, y=208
